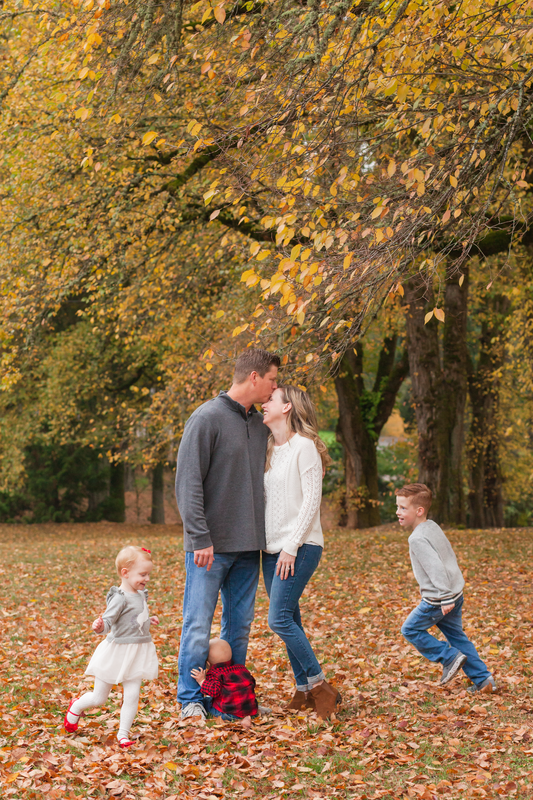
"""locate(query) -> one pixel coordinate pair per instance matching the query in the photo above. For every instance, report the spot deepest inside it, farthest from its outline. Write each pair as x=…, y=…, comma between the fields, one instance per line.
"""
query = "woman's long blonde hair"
x=300, y=419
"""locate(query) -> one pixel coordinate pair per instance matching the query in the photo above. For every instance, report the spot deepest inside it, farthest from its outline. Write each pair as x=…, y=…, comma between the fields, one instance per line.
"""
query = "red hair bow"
x=146, y=550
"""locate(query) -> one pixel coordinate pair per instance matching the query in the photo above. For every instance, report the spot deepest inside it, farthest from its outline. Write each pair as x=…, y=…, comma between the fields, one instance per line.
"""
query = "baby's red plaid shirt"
x=231, y=688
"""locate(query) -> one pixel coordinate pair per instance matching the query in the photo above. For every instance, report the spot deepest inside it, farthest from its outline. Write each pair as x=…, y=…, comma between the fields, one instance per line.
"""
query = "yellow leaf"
x=391, y=169
x=236, y=331
x=428, y=317
x=295, y=252
x=365, y=610
x=258, y=311
x=153, y=59
x=439, y=313
x=262, y=255
x=157, y=97
x=255, y=248
x=220, y=14
x=116, y=118
x=300, y=317
x=209, y=367
x=215, y=214
x=83, y=73
x=347, y=261
x=149, y=137
x=308, y=358
x=170, y=764
x=219, y=314
x=376, y=212
x=82, y=113
x=453, y=181
x=323, y=389
x=461, y=280
x=207, y=14
x=446, y=216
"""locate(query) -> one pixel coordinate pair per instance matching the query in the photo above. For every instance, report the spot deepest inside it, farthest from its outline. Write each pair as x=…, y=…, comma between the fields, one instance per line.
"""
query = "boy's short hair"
x=254, y=360
x=129, y=555
x=421, y=494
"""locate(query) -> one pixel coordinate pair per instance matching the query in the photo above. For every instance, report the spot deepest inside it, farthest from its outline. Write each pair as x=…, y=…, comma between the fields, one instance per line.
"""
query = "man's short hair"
x=254, y=360
x=419, y=492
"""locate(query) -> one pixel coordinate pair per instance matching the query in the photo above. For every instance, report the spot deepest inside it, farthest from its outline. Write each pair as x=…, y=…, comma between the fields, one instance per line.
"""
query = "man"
x=219, y=489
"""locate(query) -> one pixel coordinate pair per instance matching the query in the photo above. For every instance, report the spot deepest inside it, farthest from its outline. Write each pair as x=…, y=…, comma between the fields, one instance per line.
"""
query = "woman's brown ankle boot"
x=300, y=701
x=326, y=699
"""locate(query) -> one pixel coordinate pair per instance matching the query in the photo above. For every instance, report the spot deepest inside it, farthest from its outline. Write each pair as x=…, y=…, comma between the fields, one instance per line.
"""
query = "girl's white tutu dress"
x=128, y=652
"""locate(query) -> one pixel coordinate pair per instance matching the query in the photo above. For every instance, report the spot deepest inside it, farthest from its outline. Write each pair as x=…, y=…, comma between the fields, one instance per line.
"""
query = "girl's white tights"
x=99, y=695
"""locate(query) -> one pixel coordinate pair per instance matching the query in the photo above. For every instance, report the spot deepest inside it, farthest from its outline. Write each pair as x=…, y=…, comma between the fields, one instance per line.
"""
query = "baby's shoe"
x=71, y=727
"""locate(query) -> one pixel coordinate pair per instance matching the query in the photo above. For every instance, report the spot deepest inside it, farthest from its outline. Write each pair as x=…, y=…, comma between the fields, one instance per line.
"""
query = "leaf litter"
x=397, y=735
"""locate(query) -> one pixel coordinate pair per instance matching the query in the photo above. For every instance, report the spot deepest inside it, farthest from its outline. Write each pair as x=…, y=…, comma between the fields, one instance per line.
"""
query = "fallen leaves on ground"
x=398, y=735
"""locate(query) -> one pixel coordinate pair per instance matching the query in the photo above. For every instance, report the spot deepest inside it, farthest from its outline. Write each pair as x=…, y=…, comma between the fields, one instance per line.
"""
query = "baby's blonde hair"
x=129, y=555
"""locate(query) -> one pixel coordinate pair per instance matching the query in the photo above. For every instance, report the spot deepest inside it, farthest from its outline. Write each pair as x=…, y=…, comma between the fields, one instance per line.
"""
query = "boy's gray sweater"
x=434, y=564
x=219, y=478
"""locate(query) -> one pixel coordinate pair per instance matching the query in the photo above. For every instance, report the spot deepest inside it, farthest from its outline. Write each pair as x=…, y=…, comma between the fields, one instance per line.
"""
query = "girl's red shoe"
x=125, y=742
x=71, y=727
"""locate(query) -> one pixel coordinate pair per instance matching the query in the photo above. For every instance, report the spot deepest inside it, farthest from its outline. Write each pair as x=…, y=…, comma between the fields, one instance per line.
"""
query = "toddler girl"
x=127, y=654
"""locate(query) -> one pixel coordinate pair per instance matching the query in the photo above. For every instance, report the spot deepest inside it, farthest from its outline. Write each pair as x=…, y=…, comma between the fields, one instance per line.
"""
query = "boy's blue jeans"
x=415, y=630
x=284, y=612
x=235, y=576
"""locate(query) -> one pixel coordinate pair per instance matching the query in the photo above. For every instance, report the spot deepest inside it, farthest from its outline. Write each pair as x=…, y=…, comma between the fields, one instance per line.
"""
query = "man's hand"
x=285, y=565
x=98, y=625
x=446, y=609
x=154, y=620
x=198, y=675
x=205, y=557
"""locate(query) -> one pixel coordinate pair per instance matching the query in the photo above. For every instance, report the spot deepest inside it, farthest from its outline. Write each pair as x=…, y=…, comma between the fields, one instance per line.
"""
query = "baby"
x=228, y=687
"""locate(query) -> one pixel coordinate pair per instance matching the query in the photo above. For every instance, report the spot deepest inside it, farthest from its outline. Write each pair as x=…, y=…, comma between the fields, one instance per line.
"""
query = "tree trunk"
x=116, y=504
x=453, y=401
x=362, y=415
x=439, y=390
x=360, y=461
x=485, y=496
x=426, y=381
x=158, y=496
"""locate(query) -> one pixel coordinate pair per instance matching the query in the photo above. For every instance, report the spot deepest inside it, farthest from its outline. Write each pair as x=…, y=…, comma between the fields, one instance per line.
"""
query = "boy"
x=228, y=687
x=441, y=586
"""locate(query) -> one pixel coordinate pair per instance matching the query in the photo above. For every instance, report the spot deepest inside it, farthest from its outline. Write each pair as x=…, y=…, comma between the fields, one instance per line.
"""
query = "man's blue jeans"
x=284, y=612
x=415, y=630
x=235, y=576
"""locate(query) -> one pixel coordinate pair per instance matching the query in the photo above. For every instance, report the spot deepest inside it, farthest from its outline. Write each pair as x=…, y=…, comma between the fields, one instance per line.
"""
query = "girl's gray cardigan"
x=127, y=619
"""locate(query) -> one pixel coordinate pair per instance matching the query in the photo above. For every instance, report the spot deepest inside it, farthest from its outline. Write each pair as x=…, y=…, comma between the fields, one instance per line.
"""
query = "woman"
x=296, y=459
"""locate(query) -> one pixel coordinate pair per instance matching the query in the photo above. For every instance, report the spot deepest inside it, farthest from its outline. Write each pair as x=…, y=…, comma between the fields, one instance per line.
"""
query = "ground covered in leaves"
x=398, y=734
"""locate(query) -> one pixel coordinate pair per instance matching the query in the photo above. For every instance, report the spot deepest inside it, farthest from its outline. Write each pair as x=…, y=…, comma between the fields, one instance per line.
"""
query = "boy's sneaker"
x=452, y=669
x=193, y=710
x=489, y=685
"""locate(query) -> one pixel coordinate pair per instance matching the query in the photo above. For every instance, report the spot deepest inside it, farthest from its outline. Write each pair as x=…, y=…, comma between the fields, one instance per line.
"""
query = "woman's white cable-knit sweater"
x=293, y=491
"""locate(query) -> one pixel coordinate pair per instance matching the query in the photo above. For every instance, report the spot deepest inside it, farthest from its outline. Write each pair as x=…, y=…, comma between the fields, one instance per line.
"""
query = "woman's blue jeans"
x=284, y=612
x=424, y=616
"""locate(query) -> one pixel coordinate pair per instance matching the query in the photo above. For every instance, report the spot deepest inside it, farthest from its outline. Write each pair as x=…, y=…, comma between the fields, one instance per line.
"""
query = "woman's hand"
x=285, y=565
x=198, y=675
x=98, y=625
